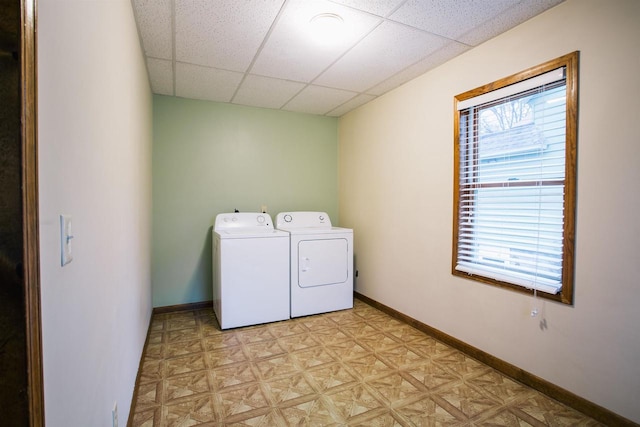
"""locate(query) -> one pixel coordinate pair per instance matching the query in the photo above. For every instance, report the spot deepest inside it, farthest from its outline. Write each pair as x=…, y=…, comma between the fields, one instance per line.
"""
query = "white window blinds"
x=511, y=183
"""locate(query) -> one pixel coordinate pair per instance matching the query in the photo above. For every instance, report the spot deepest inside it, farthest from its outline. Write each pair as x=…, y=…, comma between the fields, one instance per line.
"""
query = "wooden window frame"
x=570, y=62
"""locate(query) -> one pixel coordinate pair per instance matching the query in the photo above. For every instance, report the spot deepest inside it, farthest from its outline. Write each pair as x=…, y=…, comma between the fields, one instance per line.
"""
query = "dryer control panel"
x=288, y=220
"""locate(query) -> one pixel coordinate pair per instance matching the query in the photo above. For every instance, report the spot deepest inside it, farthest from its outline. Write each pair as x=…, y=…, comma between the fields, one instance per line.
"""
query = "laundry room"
x=143, y=176
x=211, y=158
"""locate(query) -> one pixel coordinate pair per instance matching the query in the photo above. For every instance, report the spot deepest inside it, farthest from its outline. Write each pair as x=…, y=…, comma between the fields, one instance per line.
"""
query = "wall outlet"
x=114, y=415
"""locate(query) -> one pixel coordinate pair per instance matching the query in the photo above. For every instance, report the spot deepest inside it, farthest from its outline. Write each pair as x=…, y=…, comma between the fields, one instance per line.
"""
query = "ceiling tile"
x=377, y=7
x=223, y=33
x=350, y=105
x=258, y=52
x=266, y=92
x=507, y=20
x=379, y=56
x=193, y=81
x=318, y=100
x=449, y=51
x=447, y=18
x=292, y=53
x=161, y=76
x=154, y=22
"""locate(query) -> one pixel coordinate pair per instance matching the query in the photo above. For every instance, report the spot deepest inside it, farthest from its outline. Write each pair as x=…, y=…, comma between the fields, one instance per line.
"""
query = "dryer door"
x=322, y=262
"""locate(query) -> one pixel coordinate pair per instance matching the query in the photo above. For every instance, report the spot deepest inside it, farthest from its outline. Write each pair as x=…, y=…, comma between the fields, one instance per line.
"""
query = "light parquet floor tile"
x=232, y=375
x=190, y=384
x=357, y=367
x=428, y=412
x=287, y=389
x=275, y=367
x=353, y=401
x=369, y=366
x=327, y=377
x=314, y=412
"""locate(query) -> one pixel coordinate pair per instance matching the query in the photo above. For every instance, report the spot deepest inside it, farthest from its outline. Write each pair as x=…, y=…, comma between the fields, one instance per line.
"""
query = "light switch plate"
x=65, y=240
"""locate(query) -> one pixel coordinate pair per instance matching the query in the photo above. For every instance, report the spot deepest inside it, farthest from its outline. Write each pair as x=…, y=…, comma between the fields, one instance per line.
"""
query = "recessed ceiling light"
x=327, y=27
x=329, y=19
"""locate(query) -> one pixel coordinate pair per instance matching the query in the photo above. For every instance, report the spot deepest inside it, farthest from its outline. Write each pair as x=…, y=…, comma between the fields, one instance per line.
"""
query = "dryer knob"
x=287, y=218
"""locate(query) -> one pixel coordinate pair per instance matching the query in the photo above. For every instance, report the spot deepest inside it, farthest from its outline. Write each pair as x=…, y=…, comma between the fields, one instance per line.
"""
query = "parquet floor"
x=356, y=367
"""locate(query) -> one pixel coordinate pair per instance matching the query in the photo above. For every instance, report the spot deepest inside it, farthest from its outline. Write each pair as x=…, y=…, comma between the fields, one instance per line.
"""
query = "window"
x=514, y=180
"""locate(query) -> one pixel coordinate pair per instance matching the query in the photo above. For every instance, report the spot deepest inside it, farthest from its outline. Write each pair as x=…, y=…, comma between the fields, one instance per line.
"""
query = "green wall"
x=210, y=158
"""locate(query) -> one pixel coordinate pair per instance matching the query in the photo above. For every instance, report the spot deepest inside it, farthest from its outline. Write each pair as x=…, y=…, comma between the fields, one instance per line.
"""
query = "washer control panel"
x=243, y=220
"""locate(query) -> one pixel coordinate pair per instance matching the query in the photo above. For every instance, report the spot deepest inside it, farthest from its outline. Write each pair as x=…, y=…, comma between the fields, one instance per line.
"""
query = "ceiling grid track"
x=264, y=41
x=261, y=54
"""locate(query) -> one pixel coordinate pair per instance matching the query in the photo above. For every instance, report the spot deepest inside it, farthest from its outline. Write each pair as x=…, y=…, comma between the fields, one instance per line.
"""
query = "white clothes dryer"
x=250, y=270
x=321, y=263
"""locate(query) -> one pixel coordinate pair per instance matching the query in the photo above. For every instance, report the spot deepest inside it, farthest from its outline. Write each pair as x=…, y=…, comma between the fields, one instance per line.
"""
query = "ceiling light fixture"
x=327, y=27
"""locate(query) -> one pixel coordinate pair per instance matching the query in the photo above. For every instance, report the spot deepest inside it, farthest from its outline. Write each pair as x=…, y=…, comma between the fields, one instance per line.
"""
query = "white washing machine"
x=250, y=270
x=321, y=263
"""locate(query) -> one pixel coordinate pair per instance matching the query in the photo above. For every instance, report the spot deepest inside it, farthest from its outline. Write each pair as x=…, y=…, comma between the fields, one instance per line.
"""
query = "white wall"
x=95, y=130
x=396, y=166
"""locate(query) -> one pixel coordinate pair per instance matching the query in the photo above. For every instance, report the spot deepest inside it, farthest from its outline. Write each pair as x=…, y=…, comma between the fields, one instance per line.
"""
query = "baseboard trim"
x=183, y=307
x=134, y=397
x=581, y=404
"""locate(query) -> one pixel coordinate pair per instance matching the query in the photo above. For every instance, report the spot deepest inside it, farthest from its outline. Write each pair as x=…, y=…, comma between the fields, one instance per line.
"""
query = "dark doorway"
x=13, y=344
x=20, y=347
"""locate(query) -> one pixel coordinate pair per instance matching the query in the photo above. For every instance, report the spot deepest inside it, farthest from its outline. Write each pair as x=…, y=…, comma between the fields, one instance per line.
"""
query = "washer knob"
x=260, y=219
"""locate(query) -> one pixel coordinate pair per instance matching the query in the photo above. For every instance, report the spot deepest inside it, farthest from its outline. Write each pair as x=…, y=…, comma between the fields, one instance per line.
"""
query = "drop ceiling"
x=259, y=52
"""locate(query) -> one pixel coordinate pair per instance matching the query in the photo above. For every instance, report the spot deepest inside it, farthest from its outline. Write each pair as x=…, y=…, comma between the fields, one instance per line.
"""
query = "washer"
x=250, y=270
x=321, y=263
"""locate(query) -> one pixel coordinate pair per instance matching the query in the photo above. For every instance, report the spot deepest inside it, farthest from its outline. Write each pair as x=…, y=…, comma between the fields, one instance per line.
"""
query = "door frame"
x=30, y=218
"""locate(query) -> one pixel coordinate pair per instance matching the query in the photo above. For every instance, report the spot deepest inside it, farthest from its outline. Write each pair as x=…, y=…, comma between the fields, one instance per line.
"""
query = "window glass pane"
x=519, y=228
x=522, y=138
x=512, y=167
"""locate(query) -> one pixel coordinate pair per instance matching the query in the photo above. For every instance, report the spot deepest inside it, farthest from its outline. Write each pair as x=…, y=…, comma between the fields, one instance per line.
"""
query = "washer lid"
x=251, y=234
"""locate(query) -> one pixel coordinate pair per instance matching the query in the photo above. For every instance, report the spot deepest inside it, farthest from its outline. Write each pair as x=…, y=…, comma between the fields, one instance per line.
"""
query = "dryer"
x=250, y=270
x=321, y=262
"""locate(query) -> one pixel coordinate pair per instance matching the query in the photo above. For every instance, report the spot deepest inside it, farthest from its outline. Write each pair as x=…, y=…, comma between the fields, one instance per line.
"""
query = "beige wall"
x=94, y=125
x=395, y=176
